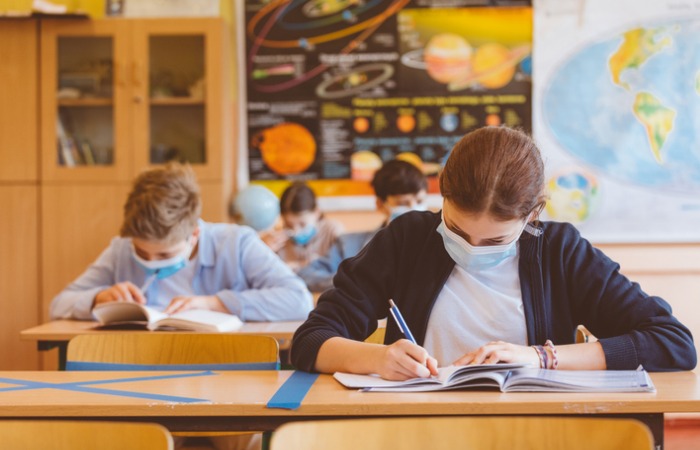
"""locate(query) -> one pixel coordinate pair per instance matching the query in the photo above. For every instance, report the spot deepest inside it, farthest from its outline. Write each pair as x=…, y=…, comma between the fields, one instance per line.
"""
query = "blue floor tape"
x=293, y=391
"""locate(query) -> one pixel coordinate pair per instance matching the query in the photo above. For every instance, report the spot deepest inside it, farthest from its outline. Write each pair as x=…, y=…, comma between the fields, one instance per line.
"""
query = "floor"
x=681, y=434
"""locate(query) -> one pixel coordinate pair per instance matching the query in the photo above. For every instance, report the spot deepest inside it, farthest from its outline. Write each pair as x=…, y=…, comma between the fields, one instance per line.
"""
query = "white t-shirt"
x=476, y=307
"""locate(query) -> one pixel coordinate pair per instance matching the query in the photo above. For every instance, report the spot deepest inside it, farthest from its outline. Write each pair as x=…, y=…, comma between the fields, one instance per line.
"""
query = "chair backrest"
x=465, y=433
x=172, y=351
x=83, y=435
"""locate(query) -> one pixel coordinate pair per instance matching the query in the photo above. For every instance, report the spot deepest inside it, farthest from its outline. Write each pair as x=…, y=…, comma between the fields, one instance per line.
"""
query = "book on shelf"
x=508, y=378
x=135, y=315
x=66, y=153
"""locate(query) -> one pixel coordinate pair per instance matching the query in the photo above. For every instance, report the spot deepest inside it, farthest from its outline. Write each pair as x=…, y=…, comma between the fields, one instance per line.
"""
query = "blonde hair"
x=164, y=205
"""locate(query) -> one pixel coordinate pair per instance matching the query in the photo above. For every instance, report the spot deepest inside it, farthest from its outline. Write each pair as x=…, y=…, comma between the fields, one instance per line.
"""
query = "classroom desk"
x=57, y=333
x=236, y=400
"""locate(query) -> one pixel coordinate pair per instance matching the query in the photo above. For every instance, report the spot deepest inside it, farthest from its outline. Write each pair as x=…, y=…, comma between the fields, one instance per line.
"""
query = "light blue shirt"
x=232, y=263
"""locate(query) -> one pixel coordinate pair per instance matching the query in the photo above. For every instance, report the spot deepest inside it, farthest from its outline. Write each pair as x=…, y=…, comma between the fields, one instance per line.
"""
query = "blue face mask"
x=163, y=268
x=469, y=257
x=305, y=235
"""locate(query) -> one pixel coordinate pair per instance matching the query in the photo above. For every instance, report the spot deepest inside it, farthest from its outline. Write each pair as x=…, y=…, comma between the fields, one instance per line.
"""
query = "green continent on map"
x=697, y=82
x=638, y=46
x=657, y=120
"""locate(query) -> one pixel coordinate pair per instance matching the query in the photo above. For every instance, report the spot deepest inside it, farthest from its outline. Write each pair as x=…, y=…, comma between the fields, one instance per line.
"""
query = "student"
x=483, y=281
x=307, y=234
x=399, y=187
x=170, y=259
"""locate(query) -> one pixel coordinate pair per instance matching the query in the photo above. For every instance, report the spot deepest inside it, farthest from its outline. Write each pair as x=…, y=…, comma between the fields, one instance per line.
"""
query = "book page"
x=200, y=320
x=579, y=380
x=125, y=312
x=356, y=381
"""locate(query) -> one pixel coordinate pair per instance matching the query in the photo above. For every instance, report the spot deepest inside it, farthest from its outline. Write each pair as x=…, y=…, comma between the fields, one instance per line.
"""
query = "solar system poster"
x=336, y=88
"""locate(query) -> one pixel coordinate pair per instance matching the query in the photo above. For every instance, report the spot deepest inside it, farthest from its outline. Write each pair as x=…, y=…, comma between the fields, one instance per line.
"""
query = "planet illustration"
x=447, y=57
x=287, y=148
x=405, y=123
x=361, y=124
x=573, y=195
x=363, y=164
x=427, y=168
x=449, y=122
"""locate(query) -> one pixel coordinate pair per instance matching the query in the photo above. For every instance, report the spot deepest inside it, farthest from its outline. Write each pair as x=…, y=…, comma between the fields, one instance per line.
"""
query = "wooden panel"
x=19, y=120
x=78, y=223
x=19, y=275
x=213, y=202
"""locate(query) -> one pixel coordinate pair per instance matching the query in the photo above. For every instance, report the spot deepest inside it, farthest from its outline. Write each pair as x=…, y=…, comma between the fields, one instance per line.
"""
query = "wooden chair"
x=83, y=435
x=465, y=433
x=173, y=351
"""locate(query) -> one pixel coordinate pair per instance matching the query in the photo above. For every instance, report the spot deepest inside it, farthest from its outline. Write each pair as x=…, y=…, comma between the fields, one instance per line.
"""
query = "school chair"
x=465, y=433
x=83, y=435
x=173, y=351
x=377, y=337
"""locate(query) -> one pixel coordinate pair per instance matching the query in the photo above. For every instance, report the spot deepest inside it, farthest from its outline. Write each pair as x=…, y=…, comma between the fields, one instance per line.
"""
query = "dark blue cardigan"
x=565, y=281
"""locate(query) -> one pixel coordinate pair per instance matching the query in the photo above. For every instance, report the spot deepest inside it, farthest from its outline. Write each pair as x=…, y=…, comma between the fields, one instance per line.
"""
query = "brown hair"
x=297, y=198
x=164, y=205
x=398, y=177
x=496, y=170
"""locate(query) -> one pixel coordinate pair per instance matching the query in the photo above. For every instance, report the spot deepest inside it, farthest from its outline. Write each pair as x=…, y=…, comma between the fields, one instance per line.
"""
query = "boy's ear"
x=196, y=232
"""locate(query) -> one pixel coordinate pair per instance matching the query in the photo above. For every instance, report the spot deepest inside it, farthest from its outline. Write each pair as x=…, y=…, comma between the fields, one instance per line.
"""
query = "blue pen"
x=396, y=314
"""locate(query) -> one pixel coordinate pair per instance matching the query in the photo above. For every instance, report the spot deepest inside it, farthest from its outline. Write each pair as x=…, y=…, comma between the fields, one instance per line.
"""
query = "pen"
x=148, y=282
x=396, y=314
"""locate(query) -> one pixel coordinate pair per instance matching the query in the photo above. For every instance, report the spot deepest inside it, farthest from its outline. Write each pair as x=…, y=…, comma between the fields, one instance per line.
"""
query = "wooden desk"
x=56, y=334
x=237, y=400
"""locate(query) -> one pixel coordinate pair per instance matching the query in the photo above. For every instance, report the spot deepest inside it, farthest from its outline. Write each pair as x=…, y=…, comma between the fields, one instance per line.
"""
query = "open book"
x=508, y=378
x=128, y=314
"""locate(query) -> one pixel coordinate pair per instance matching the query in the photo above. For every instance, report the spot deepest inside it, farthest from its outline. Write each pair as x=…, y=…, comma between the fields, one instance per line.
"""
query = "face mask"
x=305, y=235
x=163, y=268
x=468, y=256
x=396, y=211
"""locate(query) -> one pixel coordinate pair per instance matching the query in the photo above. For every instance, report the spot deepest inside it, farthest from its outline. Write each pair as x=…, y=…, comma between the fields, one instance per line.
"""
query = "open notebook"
x=508, y=378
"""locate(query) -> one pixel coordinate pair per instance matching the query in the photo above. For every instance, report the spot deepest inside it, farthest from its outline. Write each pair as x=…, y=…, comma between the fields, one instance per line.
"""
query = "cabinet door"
x=18, y=109
x=178, y=94
x=79, y=221
x=84, y=106
x=19, y=275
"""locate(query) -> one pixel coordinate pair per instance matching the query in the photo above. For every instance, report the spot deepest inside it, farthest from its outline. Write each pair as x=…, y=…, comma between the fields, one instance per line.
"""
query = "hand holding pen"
x=406, y=357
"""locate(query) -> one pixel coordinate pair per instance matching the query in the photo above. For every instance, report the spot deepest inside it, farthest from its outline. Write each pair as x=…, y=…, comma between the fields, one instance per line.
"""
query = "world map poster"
x=336, y=88
x=617, y=116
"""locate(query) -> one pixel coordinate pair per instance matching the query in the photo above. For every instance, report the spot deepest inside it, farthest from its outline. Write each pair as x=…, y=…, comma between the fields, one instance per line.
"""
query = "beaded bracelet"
x=542, y=355
x=555, y=359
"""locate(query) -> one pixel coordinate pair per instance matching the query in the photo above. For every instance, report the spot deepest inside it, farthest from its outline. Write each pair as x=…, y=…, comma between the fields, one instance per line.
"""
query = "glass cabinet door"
x=179, y=90
x=85, y=134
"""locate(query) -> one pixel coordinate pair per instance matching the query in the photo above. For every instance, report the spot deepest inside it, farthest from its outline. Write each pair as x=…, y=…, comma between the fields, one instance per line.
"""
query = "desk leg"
x=62, y=350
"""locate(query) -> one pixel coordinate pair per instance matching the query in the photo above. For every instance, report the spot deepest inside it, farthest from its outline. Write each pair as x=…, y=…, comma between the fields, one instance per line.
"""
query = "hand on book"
x=500, y=352
x=120, y=292
x=404, y=360
x=184, y=303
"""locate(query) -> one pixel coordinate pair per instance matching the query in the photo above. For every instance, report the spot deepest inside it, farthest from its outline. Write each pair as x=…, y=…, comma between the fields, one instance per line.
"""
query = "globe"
x=573, y=195
x=257, y=207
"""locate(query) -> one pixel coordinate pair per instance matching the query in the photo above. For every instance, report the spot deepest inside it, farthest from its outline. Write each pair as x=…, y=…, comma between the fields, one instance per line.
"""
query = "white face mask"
x=468, y=256
x=164, y=268
x=396, y=211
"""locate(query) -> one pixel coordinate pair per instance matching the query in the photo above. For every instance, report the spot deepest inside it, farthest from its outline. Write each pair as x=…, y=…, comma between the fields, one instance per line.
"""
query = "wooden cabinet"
x=119, y=96
x=19, y=196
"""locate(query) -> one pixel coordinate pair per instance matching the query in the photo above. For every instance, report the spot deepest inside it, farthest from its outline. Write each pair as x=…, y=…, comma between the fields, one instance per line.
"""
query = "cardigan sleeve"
x=634, y=328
